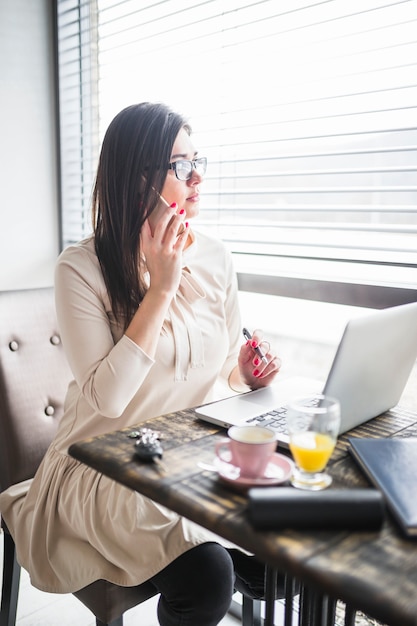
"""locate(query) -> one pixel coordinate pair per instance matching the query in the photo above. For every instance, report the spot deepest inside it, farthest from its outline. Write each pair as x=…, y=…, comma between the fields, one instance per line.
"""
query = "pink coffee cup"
x=250, y=448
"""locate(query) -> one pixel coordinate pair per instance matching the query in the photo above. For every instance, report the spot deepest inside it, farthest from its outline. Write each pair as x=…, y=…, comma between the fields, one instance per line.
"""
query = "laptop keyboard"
x=275, y=419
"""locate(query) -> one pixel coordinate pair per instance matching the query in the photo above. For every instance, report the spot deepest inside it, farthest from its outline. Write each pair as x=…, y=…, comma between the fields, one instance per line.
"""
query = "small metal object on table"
x=375, y=572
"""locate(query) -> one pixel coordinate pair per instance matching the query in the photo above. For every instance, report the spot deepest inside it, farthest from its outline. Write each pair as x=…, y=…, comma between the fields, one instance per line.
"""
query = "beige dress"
x=71, y=524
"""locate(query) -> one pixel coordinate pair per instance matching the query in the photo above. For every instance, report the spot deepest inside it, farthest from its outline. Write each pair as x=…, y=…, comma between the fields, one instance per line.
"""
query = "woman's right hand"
x=162, y=248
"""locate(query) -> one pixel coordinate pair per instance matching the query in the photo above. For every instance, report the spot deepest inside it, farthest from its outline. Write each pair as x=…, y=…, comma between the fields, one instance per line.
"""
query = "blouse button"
x=13, y=345
x=55, y=340
x=49, y=410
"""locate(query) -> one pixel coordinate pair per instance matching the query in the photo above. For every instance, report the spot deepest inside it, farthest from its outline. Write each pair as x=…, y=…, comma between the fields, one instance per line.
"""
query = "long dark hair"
x=132, y=169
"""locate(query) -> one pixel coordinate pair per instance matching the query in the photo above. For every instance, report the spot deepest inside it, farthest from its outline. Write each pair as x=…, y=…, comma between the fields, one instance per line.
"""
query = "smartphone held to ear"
x=159, y=210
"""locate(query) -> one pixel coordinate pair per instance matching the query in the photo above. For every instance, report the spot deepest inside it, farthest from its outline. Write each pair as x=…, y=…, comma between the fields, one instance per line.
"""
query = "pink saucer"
x=278, y=471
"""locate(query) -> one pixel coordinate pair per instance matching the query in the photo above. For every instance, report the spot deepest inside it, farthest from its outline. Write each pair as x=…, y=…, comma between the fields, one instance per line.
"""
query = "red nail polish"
x=254, y=344
x=186, y=224
x=181, y=212
x=173, y=205
x=255, y=372
x=256, y=361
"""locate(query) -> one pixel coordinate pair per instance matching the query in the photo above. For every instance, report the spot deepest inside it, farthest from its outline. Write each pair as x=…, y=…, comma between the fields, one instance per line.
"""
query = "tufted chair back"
x=34, y=376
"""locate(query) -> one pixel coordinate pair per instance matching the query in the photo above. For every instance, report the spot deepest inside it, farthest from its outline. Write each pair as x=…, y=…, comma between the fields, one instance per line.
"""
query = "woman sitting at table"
x=149, y=319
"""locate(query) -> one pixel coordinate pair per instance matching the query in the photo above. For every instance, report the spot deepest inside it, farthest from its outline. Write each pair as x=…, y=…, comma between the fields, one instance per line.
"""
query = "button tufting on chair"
x=13, y=345
x=55, y=340
x=49, y=410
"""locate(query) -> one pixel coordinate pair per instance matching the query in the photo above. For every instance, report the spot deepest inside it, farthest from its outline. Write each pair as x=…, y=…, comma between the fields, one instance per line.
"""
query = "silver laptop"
x=369, y=372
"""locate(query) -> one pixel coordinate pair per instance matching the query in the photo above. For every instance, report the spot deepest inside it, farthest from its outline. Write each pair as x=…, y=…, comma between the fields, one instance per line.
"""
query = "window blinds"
x=78, y=113
x=307, y=112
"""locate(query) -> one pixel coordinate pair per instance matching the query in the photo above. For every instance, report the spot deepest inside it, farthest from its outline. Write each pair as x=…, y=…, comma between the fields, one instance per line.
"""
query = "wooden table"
x=375, y=572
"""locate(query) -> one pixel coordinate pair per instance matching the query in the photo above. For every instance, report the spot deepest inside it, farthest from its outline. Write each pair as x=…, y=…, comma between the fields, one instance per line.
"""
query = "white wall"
x=28, y=190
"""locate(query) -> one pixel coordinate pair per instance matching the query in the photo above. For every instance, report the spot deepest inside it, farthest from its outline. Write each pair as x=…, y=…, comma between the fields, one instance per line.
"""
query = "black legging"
x=197, y=588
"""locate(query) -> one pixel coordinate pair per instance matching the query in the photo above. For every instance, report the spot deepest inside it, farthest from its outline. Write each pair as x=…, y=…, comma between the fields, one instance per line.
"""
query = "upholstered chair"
x=34, y=376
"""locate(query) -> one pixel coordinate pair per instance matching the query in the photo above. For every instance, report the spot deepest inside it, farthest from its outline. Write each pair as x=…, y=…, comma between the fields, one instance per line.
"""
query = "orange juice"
x=311, y=451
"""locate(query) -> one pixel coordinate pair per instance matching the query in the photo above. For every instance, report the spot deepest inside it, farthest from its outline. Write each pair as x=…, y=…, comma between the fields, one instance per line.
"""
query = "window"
x=307, y=112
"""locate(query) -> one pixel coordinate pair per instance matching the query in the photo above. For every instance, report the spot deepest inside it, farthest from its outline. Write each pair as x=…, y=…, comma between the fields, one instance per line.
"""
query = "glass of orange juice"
x=313, y=425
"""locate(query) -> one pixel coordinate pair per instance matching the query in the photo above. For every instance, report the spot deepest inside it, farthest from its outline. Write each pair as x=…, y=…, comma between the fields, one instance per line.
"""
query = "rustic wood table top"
x=376, y=572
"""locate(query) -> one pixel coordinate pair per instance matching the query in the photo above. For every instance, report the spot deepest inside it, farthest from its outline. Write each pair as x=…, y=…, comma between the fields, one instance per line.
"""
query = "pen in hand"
x=258, y=351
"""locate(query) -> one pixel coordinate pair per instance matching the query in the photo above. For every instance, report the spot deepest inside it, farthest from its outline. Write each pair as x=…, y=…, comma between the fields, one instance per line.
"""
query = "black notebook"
x=391, y=465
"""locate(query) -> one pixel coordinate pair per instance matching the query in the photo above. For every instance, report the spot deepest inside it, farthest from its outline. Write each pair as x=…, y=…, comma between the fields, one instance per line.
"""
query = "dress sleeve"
x=108, y=371
x=233, y=319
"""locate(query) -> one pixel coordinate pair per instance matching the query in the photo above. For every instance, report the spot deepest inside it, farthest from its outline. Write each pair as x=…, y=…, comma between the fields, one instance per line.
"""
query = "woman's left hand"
x=255, y=372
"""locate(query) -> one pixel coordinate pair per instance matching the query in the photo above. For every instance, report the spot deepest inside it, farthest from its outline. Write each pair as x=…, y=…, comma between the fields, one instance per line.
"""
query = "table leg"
x=331, y=611
x=303, y=609
x=318, y=604
x=251, y=612
x=270, y=592
x=315, y=609
x=289, y=588
x=350, y=615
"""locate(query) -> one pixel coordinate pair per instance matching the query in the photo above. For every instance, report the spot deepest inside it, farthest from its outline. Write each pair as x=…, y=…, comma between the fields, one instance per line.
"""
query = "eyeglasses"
x=184, y=169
